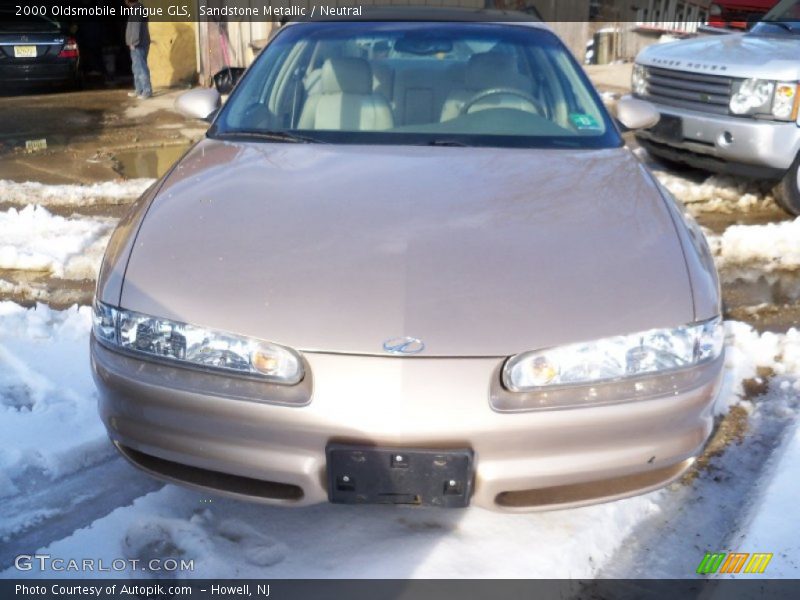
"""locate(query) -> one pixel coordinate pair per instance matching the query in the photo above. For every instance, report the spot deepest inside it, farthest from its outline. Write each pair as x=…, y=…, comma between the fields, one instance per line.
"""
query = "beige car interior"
x=344, y=99
x=353, y=93
x=486, y=71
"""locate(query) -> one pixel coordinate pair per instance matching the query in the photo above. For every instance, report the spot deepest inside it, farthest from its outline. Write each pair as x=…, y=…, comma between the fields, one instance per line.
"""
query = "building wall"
x=173, y=50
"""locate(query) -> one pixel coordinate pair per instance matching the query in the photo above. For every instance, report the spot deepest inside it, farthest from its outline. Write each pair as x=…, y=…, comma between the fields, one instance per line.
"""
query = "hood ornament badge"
x=404, y=345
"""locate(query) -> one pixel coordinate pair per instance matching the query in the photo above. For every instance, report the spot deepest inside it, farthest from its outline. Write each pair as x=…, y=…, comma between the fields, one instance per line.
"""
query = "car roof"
x=437, y=14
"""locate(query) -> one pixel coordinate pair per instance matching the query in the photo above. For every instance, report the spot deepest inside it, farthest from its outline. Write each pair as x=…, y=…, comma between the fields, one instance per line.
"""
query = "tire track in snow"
x=54, y=510
x=705, y=515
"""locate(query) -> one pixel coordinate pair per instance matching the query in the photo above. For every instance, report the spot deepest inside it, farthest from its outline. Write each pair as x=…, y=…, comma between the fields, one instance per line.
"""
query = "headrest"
x=492, y=69
x=347, y=75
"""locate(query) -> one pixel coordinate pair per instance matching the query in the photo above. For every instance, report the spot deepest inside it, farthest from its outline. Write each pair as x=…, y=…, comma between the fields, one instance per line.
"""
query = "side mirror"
x=198, y=104
x=636, y=114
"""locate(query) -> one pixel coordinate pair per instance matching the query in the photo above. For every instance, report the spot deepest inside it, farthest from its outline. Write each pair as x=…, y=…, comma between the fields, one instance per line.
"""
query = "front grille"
x=224, y=482
x=695, y=91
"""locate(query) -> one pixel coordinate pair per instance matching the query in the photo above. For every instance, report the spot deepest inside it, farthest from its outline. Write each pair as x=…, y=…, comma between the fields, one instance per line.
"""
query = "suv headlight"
x=763, y=97
x=612, y=359
x=784, y=105
x=639, y=80
x=188, y=345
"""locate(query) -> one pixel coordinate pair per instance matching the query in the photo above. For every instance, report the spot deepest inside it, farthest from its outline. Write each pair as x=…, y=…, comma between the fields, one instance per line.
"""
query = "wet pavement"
x=147, y=162
x=75, y=137
x=81, y=138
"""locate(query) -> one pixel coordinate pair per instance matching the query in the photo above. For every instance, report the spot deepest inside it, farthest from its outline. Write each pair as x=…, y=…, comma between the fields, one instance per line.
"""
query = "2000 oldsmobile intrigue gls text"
x=412, y=263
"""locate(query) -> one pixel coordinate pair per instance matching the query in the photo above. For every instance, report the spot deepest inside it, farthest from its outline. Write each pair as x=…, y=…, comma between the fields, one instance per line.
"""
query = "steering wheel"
x=502, y=91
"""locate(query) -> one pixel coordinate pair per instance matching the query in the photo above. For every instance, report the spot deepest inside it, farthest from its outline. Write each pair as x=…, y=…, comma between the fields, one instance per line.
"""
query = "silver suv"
x=730, y=103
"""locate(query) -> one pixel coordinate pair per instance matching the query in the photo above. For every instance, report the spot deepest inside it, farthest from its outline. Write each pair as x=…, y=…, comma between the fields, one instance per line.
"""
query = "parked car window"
x=782, y=19
x=420, y=83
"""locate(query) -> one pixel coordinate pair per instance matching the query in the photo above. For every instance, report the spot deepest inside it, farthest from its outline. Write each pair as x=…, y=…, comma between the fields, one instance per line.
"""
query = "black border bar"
x=394, y=589
x=616, y=11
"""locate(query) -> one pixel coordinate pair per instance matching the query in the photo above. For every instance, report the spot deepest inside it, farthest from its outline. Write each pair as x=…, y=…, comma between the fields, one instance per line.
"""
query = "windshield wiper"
x=443, y=142
x=273, y=136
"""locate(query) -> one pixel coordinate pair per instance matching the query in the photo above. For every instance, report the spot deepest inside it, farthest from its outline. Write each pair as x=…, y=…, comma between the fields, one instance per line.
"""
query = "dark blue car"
x=36, y=50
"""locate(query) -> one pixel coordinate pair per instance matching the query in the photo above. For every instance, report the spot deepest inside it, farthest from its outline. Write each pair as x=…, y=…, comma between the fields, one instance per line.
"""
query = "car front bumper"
x=165, y=421
x=44, y=72
x=726, y=144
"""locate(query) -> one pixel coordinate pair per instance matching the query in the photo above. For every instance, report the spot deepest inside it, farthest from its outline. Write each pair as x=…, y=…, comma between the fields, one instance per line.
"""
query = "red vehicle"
x=737, y=14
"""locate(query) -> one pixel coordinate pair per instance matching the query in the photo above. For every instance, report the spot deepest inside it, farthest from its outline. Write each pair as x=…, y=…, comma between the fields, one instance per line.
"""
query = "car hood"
x=733, y=55
x=474, y=251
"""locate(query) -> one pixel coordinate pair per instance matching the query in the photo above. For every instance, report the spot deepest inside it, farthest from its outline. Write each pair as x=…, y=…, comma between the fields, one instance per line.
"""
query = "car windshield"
x=471, y=84
x=784, y=18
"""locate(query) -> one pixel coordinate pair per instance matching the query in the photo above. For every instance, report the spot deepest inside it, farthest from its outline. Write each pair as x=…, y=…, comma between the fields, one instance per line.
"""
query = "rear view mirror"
x=636, y=114
x=423, y=45
x=198, y=104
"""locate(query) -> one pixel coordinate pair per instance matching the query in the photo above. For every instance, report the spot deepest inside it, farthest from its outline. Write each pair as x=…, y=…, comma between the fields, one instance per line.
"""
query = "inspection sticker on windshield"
x=583, y=121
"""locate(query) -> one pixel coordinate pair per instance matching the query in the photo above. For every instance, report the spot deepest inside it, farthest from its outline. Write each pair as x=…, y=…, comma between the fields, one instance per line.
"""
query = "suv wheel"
x=787, y=192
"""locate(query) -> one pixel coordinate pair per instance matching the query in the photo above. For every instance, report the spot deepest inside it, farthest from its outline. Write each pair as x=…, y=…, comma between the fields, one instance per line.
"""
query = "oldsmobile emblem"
x=404, y=345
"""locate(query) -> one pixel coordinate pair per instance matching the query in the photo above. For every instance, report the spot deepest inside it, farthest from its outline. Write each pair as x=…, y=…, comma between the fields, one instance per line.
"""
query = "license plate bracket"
x=669, y=128
x=390, y=475
x=24, y=51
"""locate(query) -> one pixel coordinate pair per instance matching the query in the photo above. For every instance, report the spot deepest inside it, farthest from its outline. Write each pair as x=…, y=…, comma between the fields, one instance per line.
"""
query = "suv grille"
x=695, y=91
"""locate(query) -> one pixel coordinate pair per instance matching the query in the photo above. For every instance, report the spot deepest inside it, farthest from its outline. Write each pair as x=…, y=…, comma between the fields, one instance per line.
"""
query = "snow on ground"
x=715, y=193
x=233, y=539
x=46, y=390
x=106, y=192
x=9, y=288
x=33, y=239
x=47, y=396
x=769, y=247
x=772, y=527
x=747, y=350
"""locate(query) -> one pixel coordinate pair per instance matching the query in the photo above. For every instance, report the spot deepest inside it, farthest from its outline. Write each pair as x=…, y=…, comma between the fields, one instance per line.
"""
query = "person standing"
x=137, y=37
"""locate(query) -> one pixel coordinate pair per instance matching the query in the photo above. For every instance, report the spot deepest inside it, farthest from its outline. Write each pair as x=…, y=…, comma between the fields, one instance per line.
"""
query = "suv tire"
x=787, y=192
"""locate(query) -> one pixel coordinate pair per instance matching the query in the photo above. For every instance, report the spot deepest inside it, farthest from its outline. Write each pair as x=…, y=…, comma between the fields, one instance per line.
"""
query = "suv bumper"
x=765, y=148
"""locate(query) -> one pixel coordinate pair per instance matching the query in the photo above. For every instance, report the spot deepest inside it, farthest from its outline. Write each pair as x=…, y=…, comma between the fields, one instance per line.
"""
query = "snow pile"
x=107, y=192
x=750, y=355
x=746, y=351
x=33, y=239
x=9, y=288
x=768, y=247
x=718, y=193
x=47, y=398
x=770, y=528
x=229, y=539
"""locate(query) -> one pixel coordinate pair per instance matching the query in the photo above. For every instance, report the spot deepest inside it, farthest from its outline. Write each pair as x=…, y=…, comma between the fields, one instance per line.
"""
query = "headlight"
x=752, y=96
x=611, y=359
x=639, y=80
x=185, y=344
x=768, y=98
x=784, y=106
